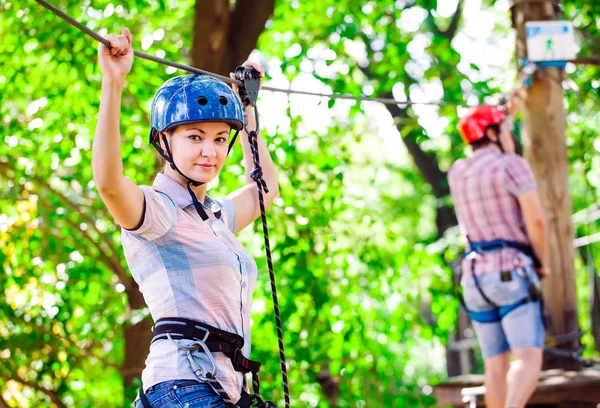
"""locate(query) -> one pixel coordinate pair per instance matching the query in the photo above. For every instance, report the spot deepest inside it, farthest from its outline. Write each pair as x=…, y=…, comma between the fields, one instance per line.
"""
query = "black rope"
x=261, y=186
x=193, y=70
x=138, y=54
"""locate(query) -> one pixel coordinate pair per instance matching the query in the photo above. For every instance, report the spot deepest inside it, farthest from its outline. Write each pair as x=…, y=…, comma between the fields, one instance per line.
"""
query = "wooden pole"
x=543, y=134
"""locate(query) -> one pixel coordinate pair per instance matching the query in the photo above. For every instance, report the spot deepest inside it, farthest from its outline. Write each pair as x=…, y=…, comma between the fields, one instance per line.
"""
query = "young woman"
x=196, y=277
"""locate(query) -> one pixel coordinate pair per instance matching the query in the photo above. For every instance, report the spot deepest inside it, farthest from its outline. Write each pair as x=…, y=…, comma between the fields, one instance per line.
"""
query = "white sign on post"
x=550, y=41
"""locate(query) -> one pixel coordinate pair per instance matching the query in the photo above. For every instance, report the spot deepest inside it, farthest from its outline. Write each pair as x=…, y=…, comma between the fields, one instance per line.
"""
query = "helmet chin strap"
x=168, y=156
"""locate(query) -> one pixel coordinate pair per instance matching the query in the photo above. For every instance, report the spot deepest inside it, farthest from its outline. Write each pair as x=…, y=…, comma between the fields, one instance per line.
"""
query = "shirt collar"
x=486, y=150
x=180, y=195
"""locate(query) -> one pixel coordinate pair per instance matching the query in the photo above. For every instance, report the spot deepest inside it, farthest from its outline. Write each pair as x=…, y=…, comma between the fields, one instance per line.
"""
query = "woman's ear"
x=161, y=137
x=491, y=134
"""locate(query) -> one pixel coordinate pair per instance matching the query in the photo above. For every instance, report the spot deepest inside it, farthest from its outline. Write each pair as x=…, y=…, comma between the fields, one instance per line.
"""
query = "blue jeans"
x=182, y=394
x=521, y=328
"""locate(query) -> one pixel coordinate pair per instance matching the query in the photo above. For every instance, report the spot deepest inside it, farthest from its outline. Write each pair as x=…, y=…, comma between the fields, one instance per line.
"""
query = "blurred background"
x=363, y=235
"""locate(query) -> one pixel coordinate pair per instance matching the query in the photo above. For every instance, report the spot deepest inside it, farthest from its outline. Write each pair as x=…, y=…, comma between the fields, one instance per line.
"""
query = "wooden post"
x=543, y=134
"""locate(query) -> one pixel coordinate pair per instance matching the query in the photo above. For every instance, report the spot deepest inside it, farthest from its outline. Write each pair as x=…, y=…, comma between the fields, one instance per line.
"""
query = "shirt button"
x=244, y=285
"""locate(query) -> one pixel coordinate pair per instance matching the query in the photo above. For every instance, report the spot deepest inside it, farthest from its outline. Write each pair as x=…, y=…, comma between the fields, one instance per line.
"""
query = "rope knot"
x=257, y=175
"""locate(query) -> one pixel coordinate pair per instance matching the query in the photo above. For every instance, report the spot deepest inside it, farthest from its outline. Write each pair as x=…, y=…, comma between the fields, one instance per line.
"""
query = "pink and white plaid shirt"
x=190, y=268
x=484, y=189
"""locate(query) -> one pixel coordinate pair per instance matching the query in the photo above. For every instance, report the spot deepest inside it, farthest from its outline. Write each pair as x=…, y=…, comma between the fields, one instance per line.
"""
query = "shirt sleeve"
x=228, y=213
x=518, y=175
x=159, y=215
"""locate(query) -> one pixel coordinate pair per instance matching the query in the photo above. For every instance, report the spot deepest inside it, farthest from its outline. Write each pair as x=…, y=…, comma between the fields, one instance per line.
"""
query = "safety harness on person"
x=185, y=99
x=208, y=339
x=499, y=312
x=473, y=129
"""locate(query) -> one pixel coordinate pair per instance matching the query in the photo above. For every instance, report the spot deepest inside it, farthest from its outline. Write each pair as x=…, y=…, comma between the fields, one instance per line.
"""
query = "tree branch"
x=450, y=32
x=49, y=393
x=586, y=61
x=111, y=259
x=453, y=27
x=66, y=342
x=426, y=163
x=107, y=261
x=250, y=16
x=100, y=259
x=71, y=205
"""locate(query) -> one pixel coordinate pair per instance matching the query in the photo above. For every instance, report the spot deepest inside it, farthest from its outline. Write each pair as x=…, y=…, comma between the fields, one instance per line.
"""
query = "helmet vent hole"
x=223, y=100
x=202, y=100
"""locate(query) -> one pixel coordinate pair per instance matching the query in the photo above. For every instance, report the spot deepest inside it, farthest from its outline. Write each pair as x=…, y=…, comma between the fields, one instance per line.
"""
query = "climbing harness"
x=208, y=339
x=534, y=295
x=497, y=313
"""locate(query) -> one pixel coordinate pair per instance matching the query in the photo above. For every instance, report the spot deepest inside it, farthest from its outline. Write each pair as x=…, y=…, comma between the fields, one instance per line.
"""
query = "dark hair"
x=486, y=141
x=161, y=163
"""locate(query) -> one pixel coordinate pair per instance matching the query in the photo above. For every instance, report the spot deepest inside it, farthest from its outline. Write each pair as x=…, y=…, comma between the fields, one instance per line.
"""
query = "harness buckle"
x=240, y=362
x=193, y=347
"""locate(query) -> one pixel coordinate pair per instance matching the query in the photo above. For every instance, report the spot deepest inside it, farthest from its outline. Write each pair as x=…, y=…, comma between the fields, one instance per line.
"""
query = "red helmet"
x=472, y=126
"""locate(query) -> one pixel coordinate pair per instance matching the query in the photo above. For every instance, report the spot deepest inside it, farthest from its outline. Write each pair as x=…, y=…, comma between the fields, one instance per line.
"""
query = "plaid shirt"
x=484, y=189
x=189, y=268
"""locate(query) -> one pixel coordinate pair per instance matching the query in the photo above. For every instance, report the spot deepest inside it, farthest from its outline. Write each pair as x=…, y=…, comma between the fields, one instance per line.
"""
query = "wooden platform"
x=556, y=387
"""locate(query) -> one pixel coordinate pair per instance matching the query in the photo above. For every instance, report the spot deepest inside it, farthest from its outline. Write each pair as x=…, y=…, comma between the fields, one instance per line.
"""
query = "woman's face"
x=199, y=149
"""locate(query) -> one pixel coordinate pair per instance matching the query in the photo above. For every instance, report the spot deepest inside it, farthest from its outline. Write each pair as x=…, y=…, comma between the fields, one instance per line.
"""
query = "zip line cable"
x=193, y=70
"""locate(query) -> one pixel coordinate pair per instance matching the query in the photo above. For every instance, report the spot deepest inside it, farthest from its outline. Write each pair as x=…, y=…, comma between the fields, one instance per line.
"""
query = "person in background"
x=501, y=218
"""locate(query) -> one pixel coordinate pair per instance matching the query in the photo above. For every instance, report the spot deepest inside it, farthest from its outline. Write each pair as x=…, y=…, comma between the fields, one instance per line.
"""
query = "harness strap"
x=496, y=315
x=499, y=312
x=478, y=285
x=494, y=245
x=218, y=341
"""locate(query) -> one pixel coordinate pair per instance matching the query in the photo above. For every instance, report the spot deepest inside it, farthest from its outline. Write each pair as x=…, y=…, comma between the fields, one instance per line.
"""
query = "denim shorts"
x=520, y=328
x=182, y=394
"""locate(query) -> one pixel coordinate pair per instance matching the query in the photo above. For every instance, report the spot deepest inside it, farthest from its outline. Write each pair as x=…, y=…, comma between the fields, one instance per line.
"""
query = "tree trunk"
x=595, y=300
x=137, y=339
x=545, y=150
x=211, y=28
x=225, y=34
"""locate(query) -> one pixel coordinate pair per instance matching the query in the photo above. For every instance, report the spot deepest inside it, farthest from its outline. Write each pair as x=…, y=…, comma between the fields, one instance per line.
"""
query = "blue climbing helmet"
x=194, y=98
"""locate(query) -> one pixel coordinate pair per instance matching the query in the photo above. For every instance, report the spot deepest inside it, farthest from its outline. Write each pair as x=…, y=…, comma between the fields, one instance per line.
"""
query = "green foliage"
x=366, y=302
